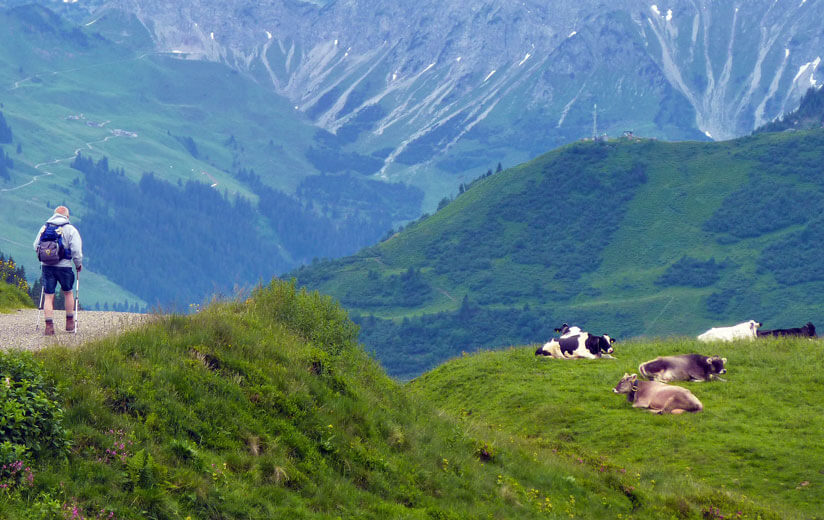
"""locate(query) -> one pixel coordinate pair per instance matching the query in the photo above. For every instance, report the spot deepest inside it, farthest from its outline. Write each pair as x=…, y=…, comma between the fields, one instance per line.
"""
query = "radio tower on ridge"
x=595, y=121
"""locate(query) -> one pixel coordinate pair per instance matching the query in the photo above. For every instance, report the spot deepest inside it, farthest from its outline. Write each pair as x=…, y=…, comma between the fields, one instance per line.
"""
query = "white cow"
x=746, y=330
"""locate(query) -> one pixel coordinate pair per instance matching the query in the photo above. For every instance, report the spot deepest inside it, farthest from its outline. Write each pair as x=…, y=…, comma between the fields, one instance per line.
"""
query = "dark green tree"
x=5, y=130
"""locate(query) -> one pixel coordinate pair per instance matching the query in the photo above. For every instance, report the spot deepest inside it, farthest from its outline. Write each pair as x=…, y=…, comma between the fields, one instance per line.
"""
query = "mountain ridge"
x=466, y=37
x=628, y=237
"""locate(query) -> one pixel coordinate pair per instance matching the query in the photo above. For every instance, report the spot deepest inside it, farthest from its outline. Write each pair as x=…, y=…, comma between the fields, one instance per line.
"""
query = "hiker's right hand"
x=79, y=268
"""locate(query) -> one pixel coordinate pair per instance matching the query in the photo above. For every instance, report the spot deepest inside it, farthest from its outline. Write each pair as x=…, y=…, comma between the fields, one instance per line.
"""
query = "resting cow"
x=583, y=345
x=657, y=397
x=685, y=367
x=746, y=330
x=807, y=331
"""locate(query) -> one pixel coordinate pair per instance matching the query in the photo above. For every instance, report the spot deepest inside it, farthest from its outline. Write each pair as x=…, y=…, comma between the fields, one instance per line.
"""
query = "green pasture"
x=758, y=439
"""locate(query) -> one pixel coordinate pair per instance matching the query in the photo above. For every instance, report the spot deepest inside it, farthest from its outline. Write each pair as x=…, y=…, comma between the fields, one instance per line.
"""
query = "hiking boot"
x=49, y=331
x=69, y=323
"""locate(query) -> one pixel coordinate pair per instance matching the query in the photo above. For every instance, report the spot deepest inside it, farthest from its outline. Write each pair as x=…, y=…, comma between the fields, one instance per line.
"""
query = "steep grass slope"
x=267, y=408
x=263, y=408
x=629, y=237
x=759, y=435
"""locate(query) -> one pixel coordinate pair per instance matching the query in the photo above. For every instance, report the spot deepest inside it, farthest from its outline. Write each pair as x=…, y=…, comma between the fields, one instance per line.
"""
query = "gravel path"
x=17, y=329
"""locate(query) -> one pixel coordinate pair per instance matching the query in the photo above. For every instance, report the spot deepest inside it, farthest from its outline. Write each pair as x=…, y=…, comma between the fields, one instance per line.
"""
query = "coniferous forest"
x=171, y=244
x=176, y=244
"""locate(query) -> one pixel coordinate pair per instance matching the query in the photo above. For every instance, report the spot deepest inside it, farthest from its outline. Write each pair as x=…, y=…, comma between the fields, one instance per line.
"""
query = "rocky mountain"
x=440, y=88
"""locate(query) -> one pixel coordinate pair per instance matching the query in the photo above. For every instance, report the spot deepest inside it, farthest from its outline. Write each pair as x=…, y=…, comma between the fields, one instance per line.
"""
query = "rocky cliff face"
x=447, y=86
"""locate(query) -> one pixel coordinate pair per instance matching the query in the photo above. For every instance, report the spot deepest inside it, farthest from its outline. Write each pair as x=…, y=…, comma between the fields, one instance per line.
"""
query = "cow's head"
x=626, y=383
x=563, y=329
x=605, y=343
x=809, y=329
x=717, y=365
x=598, y=345
x=754, y=325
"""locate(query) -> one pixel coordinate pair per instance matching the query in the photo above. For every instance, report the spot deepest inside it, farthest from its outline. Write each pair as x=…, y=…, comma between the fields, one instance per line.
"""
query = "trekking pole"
x=76, y=301
x=40, y=306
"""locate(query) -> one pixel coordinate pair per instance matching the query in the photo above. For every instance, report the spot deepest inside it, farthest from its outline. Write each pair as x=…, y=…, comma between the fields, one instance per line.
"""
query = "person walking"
x=56, y=264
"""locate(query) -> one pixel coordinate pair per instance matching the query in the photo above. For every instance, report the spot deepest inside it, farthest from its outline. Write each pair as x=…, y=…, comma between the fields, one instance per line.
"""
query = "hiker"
x=56, y=257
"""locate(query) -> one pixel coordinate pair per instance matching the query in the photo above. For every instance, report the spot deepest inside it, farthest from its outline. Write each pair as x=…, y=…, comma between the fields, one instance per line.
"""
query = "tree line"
x=172, y=244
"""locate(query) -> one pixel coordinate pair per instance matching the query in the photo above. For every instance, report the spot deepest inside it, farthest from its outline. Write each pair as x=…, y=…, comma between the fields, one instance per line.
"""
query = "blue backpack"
x=50, y=249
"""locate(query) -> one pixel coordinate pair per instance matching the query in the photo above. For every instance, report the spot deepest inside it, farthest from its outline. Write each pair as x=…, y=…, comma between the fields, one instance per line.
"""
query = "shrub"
x=31, y=413
x=762, y=206
x=692, y=272
x=315, y=317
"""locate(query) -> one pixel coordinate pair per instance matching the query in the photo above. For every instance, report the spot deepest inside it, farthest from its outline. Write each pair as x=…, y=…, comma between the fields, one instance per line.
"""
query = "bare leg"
x=48, y=306
x=669, y=406
x=69, y=296
x=48, y=312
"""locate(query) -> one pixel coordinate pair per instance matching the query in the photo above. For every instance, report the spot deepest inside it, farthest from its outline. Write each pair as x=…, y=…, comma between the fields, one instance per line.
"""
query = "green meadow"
x=267, y=407
x=758, y=439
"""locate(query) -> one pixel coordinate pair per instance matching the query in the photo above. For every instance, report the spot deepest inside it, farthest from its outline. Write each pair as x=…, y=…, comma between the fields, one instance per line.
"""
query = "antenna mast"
x=595, y=121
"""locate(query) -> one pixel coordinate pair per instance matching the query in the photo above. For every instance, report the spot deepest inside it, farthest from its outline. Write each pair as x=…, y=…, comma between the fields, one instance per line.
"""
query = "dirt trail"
x=17, y=329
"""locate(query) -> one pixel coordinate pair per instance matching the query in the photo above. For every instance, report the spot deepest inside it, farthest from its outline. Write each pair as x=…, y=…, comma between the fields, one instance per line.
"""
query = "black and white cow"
x=685, y=367
x=807, y=331
x=576, y=346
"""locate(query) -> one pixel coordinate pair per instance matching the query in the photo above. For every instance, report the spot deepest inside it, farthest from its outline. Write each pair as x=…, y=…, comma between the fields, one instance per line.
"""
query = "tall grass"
x=13, y=298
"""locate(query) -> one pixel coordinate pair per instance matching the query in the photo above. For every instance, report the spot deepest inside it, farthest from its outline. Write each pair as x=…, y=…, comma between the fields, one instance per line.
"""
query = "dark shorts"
x=52, y=275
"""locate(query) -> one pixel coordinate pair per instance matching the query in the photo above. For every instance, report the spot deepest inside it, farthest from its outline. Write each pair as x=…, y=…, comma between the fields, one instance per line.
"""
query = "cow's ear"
x=633, y=377
x=724, y=360
x=612, y=340
x=709, y=361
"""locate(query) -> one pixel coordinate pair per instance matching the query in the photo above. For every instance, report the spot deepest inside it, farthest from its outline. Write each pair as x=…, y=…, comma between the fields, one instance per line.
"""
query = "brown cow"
x=685, y=367
x=657, y=397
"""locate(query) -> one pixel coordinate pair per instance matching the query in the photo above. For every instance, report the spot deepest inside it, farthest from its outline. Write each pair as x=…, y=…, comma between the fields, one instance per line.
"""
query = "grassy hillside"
x=13, y=298
x=629, y=237
x=267, y=408
x=759, y=436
